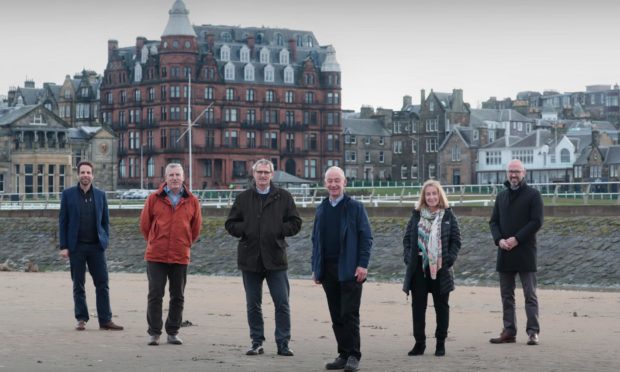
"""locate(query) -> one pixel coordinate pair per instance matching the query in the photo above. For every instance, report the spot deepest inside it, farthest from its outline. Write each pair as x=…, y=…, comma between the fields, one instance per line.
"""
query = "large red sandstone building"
x=255, y=93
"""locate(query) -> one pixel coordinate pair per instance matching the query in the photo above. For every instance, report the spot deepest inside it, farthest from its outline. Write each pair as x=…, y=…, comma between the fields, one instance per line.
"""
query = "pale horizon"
x=386, y=49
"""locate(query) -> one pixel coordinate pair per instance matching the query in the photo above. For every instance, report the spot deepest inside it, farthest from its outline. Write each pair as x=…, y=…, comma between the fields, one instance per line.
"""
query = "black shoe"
x=339, y=363
x=440, y=349
x=353, y=364
x=284, y=350
x=418, y=349
x=255, y=349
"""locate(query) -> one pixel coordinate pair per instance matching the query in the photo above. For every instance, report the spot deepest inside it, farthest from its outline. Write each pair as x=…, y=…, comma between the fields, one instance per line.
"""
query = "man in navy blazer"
x=84, y=229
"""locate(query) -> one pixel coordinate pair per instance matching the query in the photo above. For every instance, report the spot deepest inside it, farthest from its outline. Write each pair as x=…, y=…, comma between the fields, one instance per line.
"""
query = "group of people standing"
x=264, y=215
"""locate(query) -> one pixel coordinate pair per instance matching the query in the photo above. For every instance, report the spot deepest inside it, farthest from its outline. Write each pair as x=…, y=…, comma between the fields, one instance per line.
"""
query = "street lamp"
x=189, y=134
x=142, y=166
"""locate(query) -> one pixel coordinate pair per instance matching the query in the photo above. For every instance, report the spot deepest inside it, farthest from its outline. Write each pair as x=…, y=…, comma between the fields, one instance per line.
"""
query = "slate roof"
x=178, y=22
x=283, y=178
x=365, y=127
x=482, y=115
x=535, y=139
x=465, y=133
x=501, y=142
x=16, y=113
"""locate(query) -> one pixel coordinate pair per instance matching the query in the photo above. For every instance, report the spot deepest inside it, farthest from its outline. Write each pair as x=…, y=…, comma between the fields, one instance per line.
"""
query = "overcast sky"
x=386, y=49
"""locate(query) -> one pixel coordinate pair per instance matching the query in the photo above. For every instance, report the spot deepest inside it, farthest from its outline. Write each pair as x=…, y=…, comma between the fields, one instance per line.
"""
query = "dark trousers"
x=158, y=273
x=277, y=281
x=507, y=289
x=421, y=286
x=93, y=256
x=343, y=299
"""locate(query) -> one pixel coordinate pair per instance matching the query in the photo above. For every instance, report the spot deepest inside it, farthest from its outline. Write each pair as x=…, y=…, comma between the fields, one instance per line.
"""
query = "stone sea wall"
x=573, y=251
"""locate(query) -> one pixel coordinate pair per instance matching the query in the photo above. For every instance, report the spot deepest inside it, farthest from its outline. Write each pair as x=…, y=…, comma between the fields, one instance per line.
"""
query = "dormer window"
x=229, y=71
x=248, y=72
x=225, y=53
x=226, y=36
x=309, y=41
x=279, y=39
x=289, y=75
x=244, y=54
x=269, y=74
x=264, y=56
x=259, y=38
x=299, y=41
x=284, y=57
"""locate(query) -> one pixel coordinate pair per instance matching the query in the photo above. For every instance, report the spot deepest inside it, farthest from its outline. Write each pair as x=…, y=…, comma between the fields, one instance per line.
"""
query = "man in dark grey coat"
x=517, y=217
x=262, y=217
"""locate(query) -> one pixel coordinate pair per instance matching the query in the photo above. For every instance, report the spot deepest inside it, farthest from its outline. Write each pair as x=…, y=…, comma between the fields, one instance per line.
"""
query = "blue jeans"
x=277, y=280
x=93, y=256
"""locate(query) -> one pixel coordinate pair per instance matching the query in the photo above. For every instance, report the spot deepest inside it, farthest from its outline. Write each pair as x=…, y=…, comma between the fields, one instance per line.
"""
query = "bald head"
x=515, y=172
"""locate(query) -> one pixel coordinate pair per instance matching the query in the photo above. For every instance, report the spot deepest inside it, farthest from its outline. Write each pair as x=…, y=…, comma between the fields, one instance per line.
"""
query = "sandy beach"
x=580, y=330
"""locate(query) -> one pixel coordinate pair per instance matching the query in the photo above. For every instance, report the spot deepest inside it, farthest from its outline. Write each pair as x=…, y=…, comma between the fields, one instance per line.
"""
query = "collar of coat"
x=184, y=194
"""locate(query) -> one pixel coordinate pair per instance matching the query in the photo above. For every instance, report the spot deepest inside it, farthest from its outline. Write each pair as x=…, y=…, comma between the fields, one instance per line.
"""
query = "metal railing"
x=582, y=193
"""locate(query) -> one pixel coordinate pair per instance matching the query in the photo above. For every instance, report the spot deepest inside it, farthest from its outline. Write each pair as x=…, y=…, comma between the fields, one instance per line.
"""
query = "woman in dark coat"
x=431, y=244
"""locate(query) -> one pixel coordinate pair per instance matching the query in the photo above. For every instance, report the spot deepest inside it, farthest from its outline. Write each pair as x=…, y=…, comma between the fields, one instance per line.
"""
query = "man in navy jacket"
x=341, y=244
x=84, y=230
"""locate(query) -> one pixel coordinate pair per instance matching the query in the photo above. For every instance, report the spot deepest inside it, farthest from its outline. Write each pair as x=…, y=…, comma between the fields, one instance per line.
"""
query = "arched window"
x=122, y=171
x=309, y=41
x=229, y=71
x=269, y=74
x=565, y=156
x=225, y=53
x=284, y=57
x=248, y=72
x=299, y=41
x=259, y=38
x=289, y=75
x=279, y=39
x=264, y=55
x=244, y=54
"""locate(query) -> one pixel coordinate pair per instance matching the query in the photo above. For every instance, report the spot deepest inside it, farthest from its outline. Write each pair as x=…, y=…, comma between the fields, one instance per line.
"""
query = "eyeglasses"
x=262, y=172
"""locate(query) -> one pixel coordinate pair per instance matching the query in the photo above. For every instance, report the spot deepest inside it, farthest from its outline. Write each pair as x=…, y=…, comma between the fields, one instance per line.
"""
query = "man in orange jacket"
x=170, y=222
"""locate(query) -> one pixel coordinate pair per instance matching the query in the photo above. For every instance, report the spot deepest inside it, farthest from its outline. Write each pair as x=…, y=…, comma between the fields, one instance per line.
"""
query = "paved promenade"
x=580, y=330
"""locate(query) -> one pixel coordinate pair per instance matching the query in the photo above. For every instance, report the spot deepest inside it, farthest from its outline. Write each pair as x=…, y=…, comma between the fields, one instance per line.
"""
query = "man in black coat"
x=517, y=217
x=262, y=217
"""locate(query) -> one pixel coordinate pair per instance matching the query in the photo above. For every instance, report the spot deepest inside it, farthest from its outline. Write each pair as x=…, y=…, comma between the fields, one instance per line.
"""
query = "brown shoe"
x=80, y=326
x=504, y=338
x=110, y=326
x=533, y=339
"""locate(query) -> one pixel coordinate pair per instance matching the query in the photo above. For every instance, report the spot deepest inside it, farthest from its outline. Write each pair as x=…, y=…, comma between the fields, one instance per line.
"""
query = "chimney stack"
x=112, y=48
x=422, y=97
x=251, y=41
x=406, y=101
x=210, y=40
x=292, y=47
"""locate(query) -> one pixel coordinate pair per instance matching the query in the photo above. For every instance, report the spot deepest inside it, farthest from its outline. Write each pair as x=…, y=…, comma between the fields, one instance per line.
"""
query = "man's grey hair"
x=334, y=169
x=262, y=162
x=173, y=165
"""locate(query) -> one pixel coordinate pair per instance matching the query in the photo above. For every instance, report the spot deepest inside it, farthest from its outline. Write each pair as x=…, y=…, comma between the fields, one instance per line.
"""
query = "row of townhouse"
x=597, y=102
x=445, y=139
